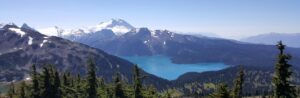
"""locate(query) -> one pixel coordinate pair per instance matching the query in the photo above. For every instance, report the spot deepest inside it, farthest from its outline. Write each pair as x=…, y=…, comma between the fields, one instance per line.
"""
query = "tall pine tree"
x=119, y=93
x=35, y=83
x=46, y=84
x=282, y=86
x=11, y=92
x=79, y=87
x=65, y=80
x=238, y=84
x=22, y=90
x=137, y=82
x=91, y=79
x=56, y=86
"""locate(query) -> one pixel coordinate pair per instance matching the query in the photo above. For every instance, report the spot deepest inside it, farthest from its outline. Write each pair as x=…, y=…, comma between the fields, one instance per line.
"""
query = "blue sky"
x=227, y=18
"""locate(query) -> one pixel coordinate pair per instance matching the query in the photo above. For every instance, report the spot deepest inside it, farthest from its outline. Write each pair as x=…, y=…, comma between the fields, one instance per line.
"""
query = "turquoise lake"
x=163, y=67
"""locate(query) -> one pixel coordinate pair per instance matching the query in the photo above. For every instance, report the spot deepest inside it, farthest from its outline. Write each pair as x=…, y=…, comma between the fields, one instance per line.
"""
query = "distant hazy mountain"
x=20, y=47
x=201, y=34
x=291, y=39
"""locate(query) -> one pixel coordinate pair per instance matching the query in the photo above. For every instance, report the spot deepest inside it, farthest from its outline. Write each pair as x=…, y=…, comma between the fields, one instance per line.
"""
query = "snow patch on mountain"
x=30, y=40
x=146, y=41
x=44, y=41
x=172, y=34
x=153, y=33
x=18, y=31
x=119, y=30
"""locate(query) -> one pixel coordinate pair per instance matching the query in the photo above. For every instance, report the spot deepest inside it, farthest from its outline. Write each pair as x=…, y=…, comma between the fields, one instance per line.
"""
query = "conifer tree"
x=79, y=87
x=221, y=92
x=101, y=89
x=56, y=87
x=137, y=83
x=51, y=70
x=65, y=80
x=70, y=79
x=91, y=79
x=65, y=86
x=11, y=92
x=35, y=83
x=119, y=93
x=101, y=83
x=281, y=83
x=238, y=84
x=22, y=90
x=46, y=84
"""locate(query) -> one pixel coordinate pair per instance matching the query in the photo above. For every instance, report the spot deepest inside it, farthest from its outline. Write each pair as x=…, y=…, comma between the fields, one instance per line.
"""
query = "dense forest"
x=50, y=83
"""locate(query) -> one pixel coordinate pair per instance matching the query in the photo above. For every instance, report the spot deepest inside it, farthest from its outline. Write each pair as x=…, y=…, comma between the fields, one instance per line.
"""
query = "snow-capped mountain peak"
x=14, y=28
x=118, y=26
x=113, y=23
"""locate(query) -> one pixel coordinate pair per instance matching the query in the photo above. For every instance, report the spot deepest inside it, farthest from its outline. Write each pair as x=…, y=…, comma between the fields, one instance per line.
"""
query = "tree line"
x=51, y=84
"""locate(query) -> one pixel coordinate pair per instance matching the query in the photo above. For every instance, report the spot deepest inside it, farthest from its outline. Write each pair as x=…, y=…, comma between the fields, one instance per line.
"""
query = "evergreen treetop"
x=281, y=84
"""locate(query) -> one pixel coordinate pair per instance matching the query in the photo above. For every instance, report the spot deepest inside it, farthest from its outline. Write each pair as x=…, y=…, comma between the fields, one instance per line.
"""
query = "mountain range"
x=290, y=39
x=21, y=47
x=180, y=48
